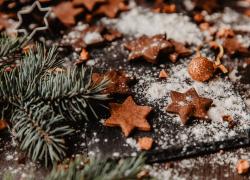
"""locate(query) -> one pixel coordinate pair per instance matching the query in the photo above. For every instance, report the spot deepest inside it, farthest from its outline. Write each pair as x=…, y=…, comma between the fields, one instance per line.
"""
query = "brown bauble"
x=201, y=69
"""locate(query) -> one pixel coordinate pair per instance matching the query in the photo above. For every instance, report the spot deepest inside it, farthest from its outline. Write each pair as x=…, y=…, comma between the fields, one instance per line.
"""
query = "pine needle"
x=10, y=50
x=41, y=101
x=41, y=132
x=97, y=169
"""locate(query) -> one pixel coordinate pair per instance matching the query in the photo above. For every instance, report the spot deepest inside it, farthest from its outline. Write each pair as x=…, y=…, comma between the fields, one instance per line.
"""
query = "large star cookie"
x=189, y=104
x=129, y=116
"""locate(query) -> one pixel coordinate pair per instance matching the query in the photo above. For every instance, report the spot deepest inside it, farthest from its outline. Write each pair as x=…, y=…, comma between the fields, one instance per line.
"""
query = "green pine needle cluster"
x=41, y=103
x=10, y=49
x=81, y=168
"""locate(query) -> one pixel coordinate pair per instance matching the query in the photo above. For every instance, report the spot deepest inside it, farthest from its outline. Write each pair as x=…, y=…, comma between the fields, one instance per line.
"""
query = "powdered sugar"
x=156, y=91
x=132, y=142
x=92, y=37
x=226, y=102
x=191, y=168
x=140, y=21
x=230, y=19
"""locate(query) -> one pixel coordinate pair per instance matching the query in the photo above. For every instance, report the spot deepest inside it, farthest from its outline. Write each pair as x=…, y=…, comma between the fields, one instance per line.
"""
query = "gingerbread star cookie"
x=233, y=46
x=111, y=8
x=189, y=104
x=89, y=4
x=179, y=51
x=148, y=48
x=66, y=13
x=119, y=82
x=129, y=116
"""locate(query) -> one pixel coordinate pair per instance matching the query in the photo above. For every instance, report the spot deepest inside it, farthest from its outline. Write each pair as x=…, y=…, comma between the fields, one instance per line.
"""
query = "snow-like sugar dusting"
x=140, y=21
x=156, y=91
x=231, y=19
x=226, y=102
x=92, y=37
x=167, y=129
x=132, y=142
x=186, y=168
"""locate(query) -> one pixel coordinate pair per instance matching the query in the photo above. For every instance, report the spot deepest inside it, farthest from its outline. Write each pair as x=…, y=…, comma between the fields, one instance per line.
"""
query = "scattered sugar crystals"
x=233, y=20
x=170, y=132
x=167, y=130
x=75, y=34
x=156, y=91
x=190, y=168
x=91, y=37
x=24, y=171
x=132, y=142
x=230, y=18
x=140, y=21
x=9, y=157
x=226, y=102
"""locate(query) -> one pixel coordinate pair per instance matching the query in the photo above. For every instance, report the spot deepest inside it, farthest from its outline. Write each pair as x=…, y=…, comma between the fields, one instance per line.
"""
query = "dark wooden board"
x=110, y=141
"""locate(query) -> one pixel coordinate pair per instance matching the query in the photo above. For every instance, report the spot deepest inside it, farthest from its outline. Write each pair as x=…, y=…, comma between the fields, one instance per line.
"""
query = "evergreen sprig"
x=22, y=82
x=42, y=103
x=41, y=132
x=8, y=176
x=10, y=49
x=71, y=93
x=82, y=168
x=96, y=169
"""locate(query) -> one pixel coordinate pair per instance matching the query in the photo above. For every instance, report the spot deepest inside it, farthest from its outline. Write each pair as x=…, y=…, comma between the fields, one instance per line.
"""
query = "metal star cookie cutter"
x=27, y=11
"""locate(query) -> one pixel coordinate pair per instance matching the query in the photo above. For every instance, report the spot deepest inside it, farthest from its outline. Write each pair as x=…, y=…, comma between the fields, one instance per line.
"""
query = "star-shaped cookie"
x=233, y=46
x=148, y=48
x=119, y=82
x=89, y=4
x=66, y=13
x=179, y=51
x=129, y=116
x=111, y=8
x=189, y=104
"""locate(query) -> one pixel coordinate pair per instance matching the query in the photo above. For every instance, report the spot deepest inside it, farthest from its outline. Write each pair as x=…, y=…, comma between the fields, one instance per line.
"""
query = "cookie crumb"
x=84, y=56
x=142, y=174
x=145, y=143
x=242, y=166
x=3, y=124
x=163, y=74
x=229, y=120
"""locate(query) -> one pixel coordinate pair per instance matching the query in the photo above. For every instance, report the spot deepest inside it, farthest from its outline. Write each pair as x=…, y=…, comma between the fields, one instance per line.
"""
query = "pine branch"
x=22, y=82
x=40, y=100
x=70, y=93
x=10, y=49
x=8, y=176
x=40, y=132
x=97, y=169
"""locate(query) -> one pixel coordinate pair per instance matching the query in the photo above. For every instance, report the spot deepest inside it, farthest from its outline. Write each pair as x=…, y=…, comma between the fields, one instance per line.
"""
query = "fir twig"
x=97, y=169
x=22, y=82
x=41, y=100
x=70, y=93
x=10, y=49
x=41, y=132
x=8, y=176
